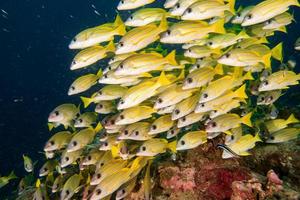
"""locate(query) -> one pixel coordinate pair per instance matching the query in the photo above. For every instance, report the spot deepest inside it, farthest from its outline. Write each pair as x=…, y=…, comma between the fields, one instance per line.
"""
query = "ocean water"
x=35, y=75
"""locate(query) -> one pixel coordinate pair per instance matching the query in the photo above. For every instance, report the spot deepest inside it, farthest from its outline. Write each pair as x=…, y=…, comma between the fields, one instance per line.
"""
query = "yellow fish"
x=278, y=124
x=225, y=122
x=225, y=108
x=140, y=37
x=284, y=135
x=140, y=133
x=111, y=78
x=161, y=124
x=58, y=141
x=126, y=189
x=191, y=140
x=241, y=14
x=134, y=114
x=187, y=31
x=279, y=21
x=71, y=187
x=86, y=120
x=4, y=180
x=98, y=34
x=67, y=158
x=105, y=107
x=170, y=3
x=190, y=119
x=268, y=98
x=156, y=146
x=48, y=168
x=173, y=132
x=92, y=157
x=201, y=52
x=225, y=40
x=119, y=58
x=181, y=5
x=147, y=183
x=185, y=107
x=267, y=10
x=132, y=4
x=84, y=83
x=64, y=114
x=28, y=165
x=91, y=55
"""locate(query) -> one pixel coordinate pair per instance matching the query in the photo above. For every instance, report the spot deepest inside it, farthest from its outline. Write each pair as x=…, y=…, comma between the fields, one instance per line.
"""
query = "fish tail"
x=296, y=3
x=99, y=73
x=292, y=119
x=264, y=40
x=241, y=92
x=171, y=57
x=12, y=175
x=121, y=30
x=282, y=29
x=163, y=80
x=38, y=183
x=277, y=52
x=98, y=127
x=50, y=126
x=231, y=4
x=114, y=151
x=86, y=102
x=219, y=69
x=218, y=27
x=118, y=21
x=257, y=138
x=182, y=75
x=243, y=34
x=248, y=76
x=172, y=146
x=163, y=26
x=247, y=119
x=267, y=60
x=237, y=72
x=110, y=47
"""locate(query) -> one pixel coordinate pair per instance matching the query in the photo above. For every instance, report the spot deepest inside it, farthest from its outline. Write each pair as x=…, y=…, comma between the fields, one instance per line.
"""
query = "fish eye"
x=232, y=137
x=265, y=83
x=144, y=148
x=74, y=143
x=72, y=88
x=198, y=66
x=67, y=192
x=67, y=158
x=100, y=93
x=56, y=113
x=183, y=119
x=112, y=122
x=159, y=100
x=89, y=157
x=74, y=62
x=201, y=105
x=105, y=144
x=240, y=40
x=177, y=5
x=45, y=169
x=272, y=137
x=98, y=191
x=154, y=127
x=204, y=95
x=227, y=55
x=182, y=142
x=98, y=176
x=101, y=164
x=214, y=111
x=131, y=17
x=123, y=191
x=137, y=133
x=75, y=39
x=52, y=142
x=109, y=68
x=121, y=66
x=80, y=120
x=189, y=80
x=177, y=111
x=122, y=2
x=172, y=132
x=122, y=117
x=121, y=101
x=105, y=76
x=189, y=50
x=121, y=44
x=77, y=115
x=100, y=106
x=270, y=98
x=213, y=124
x=168, y=32
x=189, y=10
x=210, y=43
x=262, y=99
x=238, y=15
x=126, y=132
x=249, y=16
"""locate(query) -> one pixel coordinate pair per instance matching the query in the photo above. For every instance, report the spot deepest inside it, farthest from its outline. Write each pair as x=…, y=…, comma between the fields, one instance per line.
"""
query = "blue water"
x=35, y=75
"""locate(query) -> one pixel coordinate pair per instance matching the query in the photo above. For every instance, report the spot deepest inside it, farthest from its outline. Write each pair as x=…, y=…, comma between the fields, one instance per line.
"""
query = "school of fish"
x=175, y=78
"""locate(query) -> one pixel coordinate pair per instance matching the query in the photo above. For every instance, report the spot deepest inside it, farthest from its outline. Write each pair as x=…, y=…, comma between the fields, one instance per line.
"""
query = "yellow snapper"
x=190, y=119
x=143, y=91
x=28, y=165
x=111, y=78
x=84, y=83
x=86, y=120
x=140, y=133
x=202, y=10
x=144, y=62
x=267, y=10
x=161, y=124
x=146, y=16
x=166, y=110
x=279, y=21
x=236, y=134
x=67, y=158
x=278, y=124
x=98, y=34
x=242, y=146
x=225, y=108
x=179, y=8
x=48, y=168
x=64, y=114
x=225, y=40
x=211, y=105
x=83, y=138
x=111, y=183
x=251, y=41
x=58, y=183
x=241, y=14
x=108, y=169
x=112, y=67
x=190, y=44
x=124, y=134
x=187, y=31
x=279, y=80
x=268, y=98
x=58, y=141
x=201, y=52
x=206, y=62
x=4, y=180
x=126, y=189
x=156, y=146
x=120, y=58
x=173, y=132
x=71, y=187
x=132, y=4
x=284, y=135
x=200, y=77
x=40, y=191
x=140, y=37
x=173, y=95
x=92, y=157
x=170, y=3
x=91, y=55
x=134, y=114
x=147, y=182
x=106, y=158
x=185, y=107
x=191, y=140
x=225, y=122
x=105, y=107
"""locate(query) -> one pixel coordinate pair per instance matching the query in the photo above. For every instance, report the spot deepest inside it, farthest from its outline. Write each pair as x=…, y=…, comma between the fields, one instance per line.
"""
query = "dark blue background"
x=34, y=68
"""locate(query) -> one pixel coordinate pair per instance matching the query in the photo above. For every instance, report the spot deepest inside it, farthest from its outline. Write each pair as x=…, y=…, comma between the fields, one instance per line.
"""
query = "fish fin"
x=163, y=80
x=110, y=47
x=264, y=40
x=171, y=57
x=247, y=119
x=248, y=76
x=296, y=3
x=86, y=101
x=218, y=27
x=118, y=21
x=242, y=34
x=146, y=75
x=163, y=26
x=277, y=52
x=99, y=73
x=98, y=127
x=38, y=183
x=227, y=132
x=257, y=138
x=245, y=153
x=231, y=4
x=237, y=72
x=114, y=151
x=12, y=175
x=282, y=29
x=172, y=146
x=121, y=30
x=50, y=126
x=182, y=75
x=267, y=60
x=219, y=69
x=292, y=119
x=241, y=92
